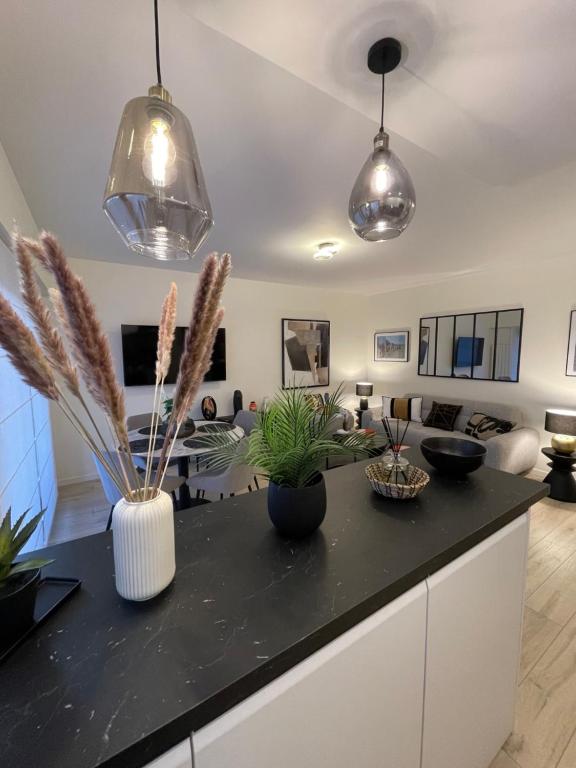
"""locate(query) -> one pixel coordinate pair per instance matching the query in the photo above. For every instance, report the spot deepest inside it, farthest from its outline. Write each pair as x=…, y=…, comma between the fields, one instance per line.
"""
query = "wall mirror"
x=474, y=345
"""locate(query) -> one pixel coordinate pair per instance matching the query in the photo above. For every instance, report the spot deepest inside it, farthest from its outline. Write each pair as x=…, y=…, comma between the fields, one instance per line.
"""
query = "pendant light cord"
x=157, y=34
x=382, y=106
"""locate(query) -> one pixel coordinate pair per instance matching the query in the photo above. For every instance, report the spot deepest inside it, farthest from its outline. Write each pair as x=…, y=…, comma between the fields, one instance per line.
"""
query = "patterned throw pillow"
x=315, y=400
x=404, y=408
x=484, y=427
x=443, y=416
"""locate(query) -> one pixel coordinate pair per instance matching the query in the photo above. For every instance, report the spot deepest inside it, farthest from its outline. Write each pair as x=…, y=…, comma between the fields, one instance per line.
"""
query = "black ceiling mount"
x=384, y=56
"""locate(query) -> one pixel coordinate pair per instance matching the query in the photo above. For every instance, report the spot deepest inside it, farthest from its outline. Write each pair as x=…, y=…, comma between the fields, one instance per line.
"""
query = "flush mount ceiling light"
x=156, y=197
x=383, y=200
x=325, y=251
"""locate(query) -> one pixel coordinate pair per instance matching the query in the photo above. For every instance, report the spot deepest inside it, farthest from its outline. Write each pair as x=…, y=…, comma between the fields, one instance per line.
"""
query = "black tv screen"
x=139, y=355
x=464, y=347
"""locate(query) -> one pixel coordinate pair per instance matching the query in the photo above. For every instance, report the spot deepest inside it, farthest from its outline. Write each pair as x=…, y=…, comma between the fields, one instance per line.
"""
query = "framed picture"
x=305, y=353
x=391, y=346
x=571, y=355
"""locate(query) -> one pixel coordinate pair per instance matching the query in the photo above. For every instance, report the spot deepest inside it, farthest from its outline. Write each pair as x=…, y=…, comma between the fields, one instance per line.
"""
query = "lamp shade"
x=364, y=389
x=383, y=200
x=560, y=422
x=156, y=197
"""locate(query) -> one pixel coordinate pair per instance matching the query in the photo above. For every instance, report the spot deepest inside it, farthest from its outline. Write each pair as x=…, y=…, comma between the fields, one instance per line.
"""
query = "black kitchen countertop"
x=105, y=682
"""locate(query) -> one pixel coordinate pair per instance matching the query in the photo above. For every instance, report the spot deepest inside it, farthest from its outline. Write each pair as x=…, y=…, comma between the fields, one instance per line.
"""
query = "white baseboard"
x=62, y=481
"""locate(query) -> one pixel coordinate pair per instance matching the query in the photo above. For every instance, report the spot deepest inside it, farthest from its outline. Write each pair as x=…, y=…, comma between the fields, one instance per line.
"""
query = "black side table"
x=561, y=477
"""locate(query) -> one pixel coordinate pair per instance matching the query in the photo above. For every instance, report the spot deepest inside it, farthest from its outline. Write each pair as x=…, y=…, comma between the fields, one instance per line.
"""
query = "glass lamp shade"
x=383, y=200
x=156, y=197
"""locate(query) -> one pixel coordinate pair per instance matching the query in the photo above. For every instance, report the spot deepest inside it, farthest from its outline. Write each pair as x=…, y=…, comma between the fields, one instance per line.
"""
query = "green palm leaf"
x=291, y=440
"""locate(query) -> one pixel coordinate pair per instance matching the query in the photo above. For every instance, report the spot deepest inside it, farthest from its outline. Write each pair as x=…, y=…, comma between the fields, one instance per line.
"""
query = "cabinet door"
x=473, y=649
x=179, y=756
x=356, y=702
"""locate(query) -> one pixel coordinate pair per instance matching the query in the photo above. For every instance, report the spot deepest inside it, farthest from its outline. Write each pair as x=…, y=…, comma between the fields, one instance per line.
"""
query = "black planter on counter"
x=297, y=512
x=17, y=599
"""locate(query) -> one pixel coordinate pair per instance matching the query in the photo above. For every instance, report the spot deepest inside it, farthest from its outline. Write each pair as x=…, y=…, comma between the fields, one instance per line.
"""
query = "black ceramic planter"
x=297, y=512
x=17, y=599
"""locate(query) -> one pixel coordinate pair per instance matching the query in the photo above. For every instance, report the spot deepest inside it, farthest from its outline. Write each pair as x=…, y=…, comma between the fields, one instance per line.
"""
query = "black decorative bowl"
x=452, y=455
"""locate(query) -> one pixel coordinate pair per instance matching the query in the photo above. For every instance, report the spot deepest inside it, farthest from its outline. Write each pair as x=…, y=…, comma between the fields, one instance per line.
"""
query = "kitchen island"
x=389, y=638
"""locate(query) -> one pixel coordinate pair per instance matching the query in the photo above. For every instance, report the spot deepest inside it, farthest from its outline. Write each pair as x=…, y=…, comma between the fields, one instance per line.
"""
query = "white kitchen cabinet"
x=179, y=756
x=473, y=651
x=356, y=702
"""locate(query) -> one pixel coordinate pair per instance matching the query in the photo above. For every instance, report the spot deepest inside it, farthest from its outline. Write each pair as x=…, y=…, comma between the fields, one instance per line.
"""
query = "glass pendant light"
x=383, y=200
x=156, y=197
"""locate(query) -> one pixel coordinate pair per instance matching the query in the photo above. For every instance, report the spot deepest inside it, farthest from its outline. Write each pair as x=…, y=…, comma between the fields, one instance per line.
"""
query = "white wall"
x=27, y=472
x=125, y=294
x=547, y=293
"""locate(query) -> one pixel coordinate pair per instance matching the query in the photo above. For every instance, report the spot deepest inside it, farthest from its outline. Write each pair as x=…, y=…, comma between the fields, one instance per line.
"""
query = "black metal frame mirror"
x=484, y=346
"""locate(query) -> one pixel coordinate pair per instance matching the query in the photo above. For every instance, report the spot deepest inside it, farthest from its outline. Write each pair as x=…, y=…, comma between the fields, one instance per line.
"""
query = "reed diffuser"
x=395, y=466
x=65, y=347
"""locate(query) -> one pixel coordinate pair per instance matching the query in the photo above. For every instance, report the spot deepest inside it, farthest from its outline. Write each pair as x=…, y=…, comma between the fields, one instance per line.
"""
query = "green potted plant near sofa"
x=18, y=579
x=289, y=446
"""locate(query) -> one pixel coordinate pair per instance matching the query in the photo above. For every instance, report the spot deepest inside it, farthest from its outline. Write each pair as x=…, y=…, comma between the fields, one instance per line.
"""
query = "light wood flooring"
x=545, y=731
x=82, y=510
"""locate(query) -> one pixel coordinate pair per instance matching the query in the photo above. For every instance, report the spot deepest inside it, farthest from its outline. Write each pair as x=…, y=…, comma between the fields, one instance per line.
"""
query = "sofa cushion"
x=499, y=410
x=418, y=432
x=484, y=427
x=405, y=408
x=443, y=416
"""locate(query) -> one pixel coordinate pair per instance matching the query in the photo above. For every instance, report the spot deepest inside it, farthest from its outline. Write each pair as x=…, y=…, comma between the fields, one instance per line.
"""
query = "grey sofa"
x=515, y=451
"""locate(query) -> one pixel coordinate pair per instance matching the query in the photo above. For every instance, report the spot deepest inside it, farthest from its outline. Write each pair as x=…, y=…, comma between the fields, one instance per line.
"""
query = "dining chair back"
x=139, y=420
x=236, y=477
x=170, y=484
x=246, y=420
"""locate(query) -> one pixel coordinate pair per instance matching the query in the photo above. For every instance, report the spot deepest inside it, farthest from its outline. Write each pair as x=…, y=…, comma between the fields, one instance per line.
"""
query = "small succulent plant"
x=12, y=539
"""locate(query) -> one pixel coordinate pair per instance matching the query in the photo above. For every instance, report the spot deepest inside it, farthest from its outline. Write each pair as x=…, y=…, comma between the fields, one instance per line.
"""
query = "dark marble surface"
x=110, y=683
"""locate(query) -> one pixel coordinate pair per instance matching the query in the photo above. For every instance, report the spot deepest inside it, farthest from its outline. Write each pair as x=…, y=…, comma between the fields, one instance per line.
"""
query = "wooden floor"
x=545, y=731
x=82, y=510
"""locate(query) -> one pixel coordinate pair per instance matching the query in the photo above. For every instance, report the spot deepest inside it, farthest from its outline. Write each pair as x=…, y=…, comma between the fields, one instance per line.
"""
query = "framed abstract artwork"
x=391, y=346
x=305, y=353
x=571, y=355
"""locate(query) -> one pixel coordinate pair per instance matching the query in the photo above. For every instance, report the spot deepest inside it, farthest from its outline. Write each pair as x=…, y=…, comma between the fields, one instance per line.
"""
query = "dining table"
x=191, y=447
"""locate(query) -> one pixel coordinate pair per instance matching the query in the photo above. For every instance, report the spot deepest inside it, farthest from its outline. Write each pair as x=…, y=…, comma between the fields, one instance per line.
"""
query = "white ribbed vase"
x=143, y=537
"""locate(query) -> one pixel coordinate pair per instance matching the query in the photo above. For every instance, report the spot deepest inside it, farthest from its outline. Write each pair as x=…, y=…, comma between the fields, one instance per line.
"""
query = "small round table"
x=561, y=477
x=183, y=453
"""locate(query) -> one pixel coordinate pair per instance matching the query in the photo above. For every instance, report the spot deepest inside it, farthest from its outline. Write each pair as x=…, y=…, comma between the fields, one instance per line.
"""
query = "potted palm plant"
x=289, y=446
x=18, y=579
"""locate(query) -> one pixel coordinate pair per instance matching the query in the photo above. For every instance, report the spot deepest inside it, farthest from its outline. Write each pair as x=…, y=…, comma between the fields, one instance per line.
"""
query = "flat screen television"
x=463, y=356
x=139, y=355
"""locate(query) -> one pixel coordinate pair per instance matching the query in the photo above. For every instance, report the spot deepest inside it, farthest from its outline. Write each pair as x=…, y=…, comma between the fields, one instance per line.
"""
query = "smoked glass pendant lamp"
x=383, y=200
x=156, y=197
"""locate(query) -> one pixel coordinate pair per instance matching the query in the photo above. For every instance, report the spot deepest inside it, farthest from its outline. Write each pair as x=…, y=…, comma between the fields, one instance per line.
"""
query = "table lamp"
x=562, y=423
x=364, y=390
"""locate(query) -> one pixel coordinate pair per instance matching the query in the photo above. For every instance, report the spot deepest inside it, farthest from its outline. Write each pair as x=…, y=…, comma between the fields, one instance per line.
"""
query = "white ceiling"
x=482, y=112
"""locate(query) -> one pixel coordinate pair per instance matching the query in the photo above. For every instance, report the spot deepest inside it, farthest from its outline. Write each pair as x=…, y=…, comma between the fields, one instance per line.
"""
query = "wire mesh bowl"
x=395, y=483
